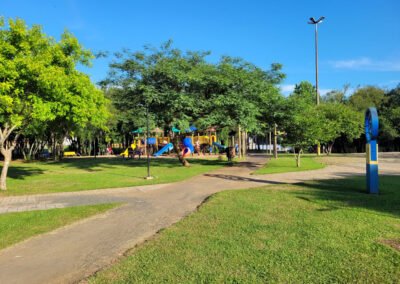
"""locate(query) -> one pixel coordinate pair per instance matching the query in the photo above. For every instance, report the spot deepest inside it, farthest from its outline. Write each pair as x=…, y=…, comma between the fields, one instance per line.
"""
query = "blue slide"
x=164, y=149
x=220, y=147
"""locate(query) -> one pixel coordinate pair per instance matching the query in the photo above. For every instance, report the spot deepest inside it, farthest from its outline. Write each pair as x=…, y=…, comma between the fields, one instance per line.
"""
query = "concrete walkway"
x=71, y=253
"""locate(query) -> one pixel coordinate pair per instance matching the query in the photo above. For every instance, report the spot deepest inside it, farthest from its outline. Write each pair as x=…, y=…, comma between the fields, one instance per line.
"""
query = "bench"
x=69, y=154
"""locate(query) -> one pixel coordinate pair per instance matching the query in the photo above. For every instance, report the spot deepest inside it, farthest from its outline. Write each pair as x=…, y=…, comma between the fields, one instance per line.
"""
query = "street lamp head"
x=315, y=22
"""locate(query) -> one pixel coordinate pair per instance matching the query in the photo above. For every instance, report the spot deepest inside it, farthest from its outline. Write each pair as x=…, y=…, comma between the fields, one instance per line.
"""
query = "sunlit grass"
x=287, y=163
x=15, y=227
x=90, y=173
x=321, y=232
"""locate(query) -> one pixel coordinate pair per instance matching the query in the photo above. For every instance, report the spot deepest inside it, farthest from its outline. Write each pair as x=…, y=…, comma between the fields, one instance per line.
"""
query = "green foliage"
x=307, y=124
x=336, y=96
x=40, y=86
x=390, y=113
x=303, y=124
x=305, y=91
x=388, y=106
x=181, y=88
x=366, y=97
x=340, y=120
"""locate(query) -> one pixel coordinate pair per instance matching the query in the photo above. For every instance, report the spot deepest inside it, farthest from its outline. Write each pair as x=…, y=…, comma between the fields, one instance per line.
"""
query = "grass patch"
x=16, y=227
x=287, y=163
x=321, y=232
x=90, y=173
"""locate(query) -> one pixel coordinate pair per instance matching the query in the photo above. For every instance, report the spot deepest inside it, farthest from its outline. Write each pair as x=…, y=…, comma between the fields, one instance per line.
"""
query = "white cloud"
x=323, y=92
x=367, y=64
x=287, y=89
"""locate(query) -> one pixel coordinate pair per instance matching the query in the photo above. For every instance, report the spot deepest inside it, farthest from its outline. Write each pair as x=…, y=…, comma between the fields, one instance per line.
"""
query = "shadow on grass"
x=90, y=164
x=240, y=178
x=351, y=192
x=23, y=172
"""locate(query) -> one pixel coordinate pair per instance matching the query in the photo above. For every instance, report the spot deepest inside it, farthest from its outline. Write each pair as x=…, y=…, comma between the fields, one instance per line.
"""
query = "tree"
x=165, y=80
x=366, y=97
x=41, y=87
x=305, y=91
x=303, y=126
x=339, y=120
x=336, y=96
x=182, y=88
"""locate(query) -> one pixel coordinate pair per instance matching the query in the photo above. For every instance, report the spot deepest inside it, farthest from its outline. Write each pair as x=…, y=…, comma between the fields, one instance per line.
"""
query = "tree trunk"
x=94, y=148
x=298, y=156
x=240, y=154
x=54, y=148
x=275, y=142
x=329, y=148
x=245, y=142
x=270, y=143
x=182, y=160
x=6, y=164
x=6, y=149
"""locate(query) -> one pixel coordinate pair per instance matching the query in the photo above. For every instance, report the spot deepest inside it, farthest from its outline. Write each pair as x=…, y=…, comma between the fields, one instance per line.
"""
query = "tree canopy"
x=181, y=88
x=40, y=87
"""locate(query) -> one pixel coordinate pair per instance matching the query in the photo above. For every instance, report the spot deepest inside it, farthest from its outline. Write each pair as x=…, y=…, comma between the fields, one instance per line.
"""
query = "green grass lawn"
x=16, y=227
x=287, y=163
x=321, y=232
x=90, y=173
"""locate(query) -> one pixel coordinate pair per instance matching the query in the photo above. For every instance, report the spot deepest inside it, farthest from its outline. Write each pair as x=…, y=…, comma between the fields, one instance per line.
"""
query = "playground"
x=193, y=141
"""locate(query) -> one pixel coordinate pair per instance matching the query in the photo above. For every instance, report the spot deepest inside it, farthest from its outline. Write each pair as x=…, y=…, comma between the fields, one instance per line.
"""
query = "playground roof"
x=191, y=129
x=157, y=130
x=139, y=130
x=176, y=130
x=211, y=129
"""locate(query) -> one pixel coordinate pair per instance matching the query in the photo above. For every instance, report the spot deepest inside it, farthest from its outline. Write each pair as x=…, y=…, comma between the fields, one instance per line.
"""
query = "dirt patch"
x=340, y=160
x=392, y=243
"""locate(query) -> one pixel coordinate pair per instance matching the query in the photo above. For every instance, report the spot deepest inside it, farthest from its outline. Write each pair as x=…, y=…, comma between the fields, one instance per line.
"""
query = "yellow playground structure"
x=133, y=146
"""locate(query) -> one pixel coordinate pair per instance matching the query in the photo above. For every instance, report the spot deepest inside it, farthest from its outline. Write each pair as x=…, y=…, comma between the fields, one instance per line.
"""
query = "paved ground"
x=74, y=252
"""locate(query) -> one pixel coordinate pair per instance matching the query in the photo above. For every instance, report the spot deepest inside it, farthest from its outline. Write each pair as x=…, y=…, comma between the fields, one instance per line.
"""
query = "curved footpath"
x=71, y=253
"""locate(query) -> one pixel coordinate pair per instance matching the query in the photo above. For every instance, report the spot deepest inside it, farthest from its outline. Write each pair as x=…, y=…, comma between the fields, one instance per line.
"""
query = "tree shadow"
x=350, y=192
x=241, y=178
x=92, y=164
x=21, y=172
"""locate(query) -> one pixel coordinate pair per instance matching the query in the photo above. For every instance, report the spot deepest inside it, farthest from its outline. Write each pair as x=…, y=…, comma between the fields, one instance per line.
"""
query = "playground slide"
x=125, y=154
x=220, y=147
x=164, y=149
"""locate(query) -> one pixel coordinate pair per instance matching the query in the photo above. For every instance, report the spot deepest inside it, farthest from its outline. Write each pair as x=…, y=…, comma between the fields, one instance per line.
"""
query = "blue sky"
x=359, y=42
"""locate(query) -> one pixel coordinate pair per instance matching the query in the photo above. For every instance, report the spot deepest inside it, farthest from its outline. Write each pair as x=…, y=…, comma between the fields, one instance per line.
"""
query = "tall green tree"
x=305, y=91
x=180, y=88
x=303, y=126
x=40, y=85
x=336, y=96
x=368, y=96
x=339, y=120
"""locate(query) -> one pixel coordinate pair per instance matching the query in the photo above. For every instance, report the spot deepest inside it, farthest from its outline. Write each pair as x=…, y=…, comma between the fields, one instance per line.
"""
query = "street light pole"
x=316, y=61
x=147, y=143
x=315, y=23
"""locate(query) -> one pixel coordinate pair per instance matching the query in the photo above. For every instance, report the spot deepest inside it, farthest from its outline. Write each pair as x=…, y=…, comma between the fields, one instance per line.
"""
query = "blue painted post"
x=371, y=133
